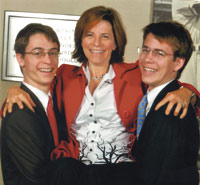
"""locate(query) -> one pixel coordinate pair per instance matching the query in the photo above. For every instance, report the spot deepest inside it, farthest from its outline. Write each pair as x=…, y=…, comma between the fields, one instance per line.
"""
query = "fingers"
x=19, y=101
x=169, y=98
x=5, y=110
x=180, y=106
x=161, y=103
x=9, y=105
x=32, y=104
x=29, y=105
x=29, y=102
x=169, y=108
x=18, y=96
x=172, y=99
x=26, y=99
x=183, y=113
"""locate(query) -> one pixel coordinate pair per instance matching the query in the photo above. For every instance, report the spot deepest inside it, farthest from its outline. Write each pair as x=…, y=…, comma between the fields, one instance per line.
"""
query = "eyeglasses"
x=40, y=53
x=157, y=53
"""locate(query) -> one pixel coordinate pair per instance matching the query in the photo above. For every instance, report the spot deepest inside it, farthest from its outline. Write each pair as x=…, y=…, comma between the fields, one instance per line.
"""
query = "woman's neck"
x=96, y=74
x=98, y=71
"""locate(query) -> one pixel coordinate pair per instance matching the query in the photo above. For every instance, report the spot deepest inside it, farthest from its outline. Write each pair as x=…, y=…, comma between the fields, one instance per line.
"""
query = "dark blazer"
x=167, y=148
x=26, y=144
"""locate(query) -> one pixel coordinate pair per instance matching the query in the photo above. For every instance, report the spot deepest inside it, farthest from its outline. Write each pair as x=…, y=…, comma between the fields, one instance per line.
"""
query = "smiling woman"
x=98, y=43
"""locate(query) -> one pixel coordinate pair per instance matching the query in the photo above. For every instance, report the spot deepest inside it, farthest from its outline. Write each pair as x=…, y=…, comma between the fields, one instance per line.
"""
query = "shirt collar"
x=151, y=95
x=42, y=96
x=108, y=77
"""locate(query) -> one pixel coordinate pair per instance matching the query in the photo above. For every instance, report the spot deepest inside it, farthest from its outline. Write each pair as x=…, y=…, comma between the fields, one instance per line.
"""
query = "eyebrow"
x=153, y=49
x=39, y=48
x=108, y=33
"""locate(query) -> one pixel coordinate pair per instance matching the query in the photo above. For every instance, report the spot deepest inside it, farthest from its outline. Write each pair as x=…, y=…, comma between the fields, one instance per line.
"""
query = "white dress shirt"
x=98, y=128
x=42, y=96
x=151, y=95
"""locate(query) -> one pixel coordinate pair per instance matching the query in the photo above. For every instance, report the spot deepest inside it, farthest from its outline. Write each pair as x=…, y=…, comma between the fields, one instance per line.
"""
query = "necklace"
x=96, y=78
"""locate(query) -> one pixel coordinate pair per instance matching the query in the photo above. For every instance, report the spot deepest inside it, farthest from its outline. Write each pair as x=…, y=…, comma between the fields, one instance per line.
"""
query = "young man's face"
x=156, y=68
x=39, y=71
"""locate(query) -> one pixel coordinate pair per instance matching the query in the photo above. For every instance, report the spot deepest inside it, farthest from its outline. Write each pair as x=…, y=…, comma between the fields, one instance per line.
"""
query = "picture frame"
x=63, y=25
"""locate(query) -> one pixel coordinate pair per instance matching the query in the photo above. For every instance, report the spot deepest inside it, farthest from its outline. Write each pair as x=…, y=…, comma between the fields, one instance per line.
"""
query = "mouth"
x=96, y=51
x=149, y=69
x=46, y=70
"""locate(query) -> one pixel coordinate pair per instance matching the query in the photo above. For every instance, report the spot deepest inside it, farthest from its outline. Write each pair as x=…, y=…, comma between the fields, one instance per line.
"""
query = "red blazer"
x=69, y=89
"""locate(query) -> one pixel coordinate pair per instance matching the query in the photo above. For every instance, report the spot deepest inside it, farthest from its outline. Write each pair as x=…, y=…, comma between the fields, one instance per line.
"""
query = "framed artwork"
x=63, y=25
x=187, y=12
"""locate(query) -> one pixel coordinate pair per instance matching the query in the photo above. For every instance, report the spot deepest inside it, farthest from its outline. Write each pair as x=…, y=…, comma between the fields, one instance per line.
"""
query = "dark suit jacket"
x=167, y=148
x=26, y=144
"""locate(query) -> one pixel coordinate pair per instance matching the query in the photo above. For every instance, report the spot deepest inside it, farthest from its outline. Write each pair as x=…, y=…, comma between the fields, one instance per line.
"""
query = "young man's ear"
x=20, y=59
x=179, y=62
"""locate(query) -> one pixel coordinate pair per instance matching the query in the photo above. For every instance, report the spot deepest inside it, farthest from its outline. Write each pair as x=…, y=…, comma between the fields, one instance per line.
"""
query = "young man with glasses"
x=167, y=147
x=27, y=138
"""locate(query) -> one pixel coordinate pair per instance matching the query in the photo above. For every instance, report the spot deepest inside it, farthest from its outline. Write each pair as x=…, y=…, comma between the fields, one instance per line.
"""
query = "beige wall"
x=135, y=14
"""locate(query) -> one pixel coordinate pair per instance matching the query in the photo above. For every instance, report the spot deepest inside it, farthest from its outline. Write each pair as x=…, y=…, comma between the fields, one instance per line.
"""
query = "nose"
x=149, y=55
x=97, y=41
x=47, y=58
x=147, y=58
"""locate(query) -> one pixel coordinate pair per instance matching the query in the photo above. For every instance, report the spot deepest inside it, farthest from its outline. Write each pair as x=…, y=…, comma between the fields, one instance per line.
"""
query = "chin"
x=145, y=80
x=47, y=80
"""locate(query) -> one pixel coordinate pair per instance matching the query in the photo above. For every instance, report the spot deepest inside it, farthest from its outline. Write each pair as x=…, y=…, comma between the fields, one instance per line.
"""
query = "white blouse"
x=98, y=128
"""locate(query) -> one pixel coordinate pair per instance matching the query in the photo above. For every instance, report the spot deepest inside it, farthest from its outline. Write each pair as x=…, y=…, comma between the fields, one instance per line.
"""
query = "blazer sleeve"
x=193, y=89
x=24, y=137
x=168, y=149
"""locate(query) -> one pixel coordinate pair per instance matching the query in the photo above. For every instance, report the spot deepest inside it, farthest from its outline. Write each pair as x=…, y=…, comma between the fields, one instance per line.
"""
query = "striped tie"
x=141, y=114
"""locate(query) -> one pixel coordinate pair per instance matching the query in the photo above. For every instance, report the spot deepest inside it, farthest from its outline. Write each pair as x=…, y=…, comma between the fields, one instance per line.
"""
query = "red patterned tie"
x=52, y=121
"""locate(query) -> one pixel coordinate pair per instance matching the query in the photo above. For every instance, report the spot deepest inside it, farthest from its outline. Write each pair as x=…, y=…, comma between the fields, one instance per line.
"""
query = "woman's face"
x=98, y=43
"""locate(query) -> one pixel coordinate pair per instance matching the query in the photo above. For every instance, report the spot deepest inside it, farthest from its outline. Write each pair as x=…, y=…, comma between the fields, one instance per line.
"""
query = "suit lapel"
x=170, y=87
x=39, y=107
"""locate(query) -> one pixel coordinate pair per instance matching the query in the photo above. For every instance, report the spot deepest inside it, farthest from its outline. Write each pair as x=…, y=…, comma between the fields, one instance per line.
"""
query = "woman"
x=99, y=100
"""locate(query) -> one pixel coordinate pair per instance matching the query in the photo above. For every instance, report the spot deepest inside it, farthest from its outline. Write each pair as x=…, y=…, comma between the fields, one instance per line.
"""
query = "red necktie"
x=52, y=121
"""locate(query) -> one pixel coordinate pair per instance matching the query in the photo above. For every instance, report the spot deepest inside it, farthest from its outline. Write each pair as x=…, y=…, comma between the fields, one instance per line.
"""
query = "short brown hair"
x=175, y=34
x=92, y=16
x=24, y=35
